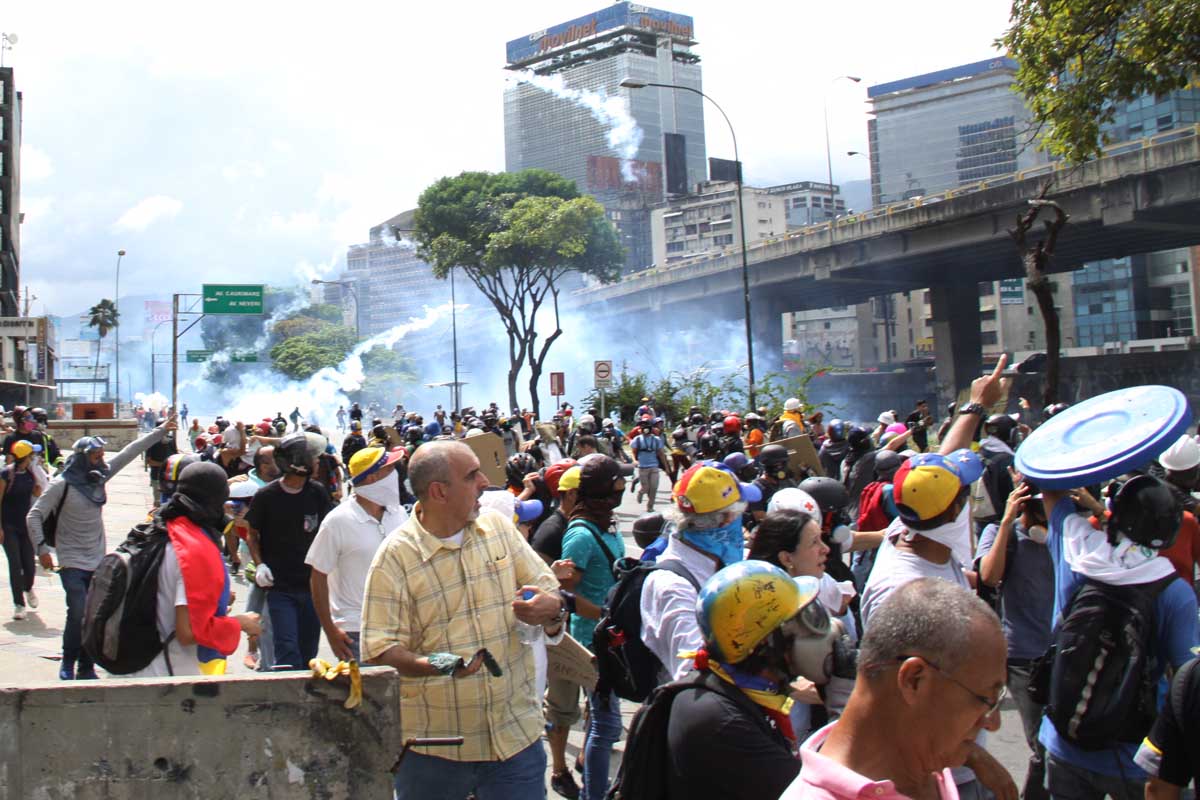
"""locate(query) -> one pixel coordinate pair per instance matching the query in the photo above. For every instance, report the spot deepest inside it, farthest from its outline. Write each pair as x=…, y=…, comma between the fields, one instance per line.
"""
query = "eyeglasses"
x=992, y=705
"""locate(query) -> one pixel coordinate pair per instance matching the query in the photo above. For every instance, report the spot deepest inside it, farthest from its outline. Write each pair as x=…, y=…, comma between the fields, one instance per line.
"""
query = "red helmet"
x=554, y=472
x=733, y=424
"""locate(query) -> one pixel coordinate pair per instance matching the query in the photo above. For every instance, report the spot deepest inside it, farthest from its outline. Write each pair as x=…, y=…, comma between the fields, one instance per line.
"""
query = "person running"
x=18, y=488
x=341, y=418
x=295, y=418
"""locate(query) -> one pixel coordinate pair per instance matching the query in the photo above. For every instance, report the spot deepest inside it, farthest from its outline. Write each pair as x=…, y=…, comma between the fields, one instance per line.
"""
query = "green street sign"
x=233, y=298
x=198, y=356
x=244, y=358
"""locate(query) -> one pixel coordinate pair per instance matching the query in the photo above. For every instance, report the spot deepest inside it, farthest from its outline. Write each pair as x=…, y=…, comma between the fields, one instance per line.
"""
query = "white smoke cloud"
x=149, y=211
x=624, y=135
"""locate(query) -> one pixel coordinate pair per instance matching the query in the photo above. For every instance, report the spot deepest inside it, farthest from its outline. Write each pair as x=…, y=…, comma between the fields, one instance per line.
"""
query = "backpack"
x=871, y=514
x=1100, y=690
x=120, y=617
x=625, y=665
x=50, y=522
x=775, y=432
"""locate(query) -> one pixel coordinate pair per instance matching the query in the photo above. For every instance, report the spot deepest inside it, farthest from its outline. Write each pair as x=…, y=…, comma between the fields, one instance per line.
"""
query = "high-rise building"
x=563, y=118
x=706, y=223
x=10, y=193
x=810, y=202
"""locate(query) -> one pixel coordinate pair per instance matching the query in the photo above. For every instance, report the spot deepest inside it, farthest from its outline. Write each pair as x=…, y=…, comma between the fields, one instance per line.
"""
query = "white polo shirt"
x=343, y=549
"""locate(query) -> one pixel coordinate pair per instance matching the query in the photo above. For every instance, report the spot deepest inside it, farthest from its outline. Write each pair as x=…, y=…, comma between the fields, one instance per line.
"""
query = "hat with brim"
x=369, y=460
x=927, y=485
x=23, y=448
x=711, y=486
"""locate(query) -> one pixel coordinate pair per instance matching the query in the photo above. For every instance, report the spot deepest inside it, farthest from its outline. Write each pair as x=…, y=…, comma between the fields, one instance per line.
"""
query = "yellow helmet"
x=741, y=605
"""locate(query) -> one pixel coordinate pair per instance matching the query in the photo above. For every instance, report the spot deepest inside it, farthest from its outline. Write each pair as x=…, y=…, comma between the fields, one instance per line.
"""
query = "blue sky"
x=253, y=141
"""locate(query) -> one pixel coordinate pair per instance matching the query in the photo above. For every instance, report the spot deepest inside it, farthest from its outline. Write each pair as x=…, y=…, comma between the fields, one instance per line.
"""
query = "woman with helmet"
x=76, y=498
x=18, y=488
x=728, y=729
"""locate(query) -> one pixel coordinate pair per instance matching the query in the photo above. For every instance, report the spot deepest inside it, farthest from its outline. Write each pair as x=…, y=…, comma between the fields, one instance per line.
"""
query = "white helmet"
x=1181, y=456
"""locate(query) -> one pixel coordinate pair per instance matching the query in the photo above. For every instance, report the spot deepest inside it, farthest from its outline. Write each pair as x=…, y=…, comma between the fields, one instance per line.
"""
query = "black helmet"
x=886, y=464
x=40, y=415
x=1146, y=512
x=1001, y=426
x=716, y=416
x=1053, y=410
x=836, y=430
x=773, y=454
x=859, y=438
x=518, y=466
x=830, y=495
x=679, y=435
x=292, y=454
x=647, y=528
x=708, y=445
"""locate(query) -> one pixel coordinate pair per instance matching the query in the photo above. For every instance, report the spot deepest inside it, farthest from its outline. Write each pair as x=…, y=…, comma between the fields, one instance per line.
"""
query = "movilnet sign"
x=616, y=16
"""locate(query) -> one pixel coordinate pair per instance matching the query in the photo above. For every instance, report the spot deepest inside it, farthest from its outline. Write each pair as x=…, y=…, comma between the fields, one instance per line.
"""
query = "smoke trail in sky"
x=624, y=135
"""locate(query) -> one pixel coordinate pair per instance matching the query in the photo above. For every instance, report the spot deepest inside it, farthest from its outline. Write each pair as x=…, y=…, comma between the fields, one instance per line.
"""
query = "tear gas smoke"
x=624, y=135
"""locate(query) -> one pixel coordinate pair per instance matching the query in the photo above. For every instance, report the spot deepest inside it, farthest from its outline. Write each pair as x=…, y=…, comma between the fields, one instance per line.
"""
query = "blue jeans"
x=297, y=629
x=1066, y=781
x=355, y=644
x=604, y=730
x=75, y=583
x=425, y=777
x=256, y=603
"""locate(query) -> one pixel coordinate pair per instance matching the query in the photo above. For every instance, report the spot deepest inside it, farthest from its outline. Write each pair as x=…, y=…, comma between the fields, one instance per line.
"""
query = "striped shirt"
x=430, y=595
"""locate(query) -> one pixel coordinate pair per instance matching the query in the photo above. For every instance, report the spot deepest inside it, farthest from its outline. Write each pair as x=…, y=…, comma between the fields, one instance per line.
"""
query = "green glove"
x=446, y=663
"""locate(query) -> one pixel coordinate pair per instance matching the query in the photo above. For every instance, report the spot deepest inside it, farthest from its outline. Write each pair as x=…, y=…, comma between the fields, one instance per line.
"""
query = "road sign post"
x=232, y=298
x=557, y=387
x=602, y=374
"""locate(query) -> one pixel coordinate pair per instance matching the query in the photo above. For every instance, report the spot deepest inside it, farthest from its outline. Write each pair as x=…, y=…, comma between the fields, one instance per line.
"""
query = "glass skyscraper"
x=583, y=139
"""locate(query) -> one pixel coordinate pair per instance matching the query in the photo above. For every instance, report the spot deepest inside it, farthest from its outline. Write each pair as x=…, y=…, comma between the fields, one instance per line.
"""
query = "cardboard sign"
x=801, y=453
x=572, y=662
x=489, y=449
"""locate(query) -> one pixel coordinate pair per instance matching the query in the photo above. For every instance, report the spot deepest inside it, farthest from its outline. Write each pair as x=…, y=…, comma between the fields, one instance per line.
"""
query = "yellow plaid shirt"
x=429, y=596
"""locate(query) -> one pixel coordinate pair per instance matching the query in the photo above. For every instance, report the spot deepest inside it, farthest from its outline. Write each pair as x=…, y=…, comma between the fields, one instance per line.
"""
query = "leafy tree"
x=387, y=372
x=328, y=312
x=238, y=332
x=775, y=388
x=292, y=327
x=1079, y=59
x=516, y=235
x=301, y=356
x=103, y=317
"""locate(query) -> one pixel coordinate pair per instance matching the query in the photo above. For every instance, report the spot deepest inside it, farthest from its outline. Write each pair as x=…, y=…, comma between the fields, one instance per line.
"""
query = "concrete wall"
x=116, y=432
x=270, y=736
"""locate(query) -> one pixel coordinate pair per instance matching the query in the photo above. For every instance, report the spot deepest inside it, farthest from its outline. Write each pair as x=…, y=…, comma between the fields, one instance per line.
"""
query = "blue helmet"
x=433, y=428
x=836, y=430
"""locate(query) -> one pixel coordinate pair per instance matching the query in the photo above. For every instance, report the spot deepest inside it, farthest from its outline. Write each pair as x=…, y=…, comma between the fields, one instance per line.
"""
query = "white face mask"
x=385, y=492
x=1038, y=533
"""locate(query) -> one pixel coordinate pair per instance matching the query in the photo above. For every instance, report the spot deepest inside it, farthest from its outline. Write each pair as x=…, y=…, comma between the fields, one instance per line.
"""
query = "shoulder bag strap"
x=676, y=568
x=595, y=531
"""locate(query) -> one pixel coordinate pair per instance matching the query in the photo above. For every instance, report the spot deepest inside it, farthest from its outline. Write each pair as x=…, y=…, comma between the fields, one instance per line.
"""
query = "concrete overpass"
x=1138, y=197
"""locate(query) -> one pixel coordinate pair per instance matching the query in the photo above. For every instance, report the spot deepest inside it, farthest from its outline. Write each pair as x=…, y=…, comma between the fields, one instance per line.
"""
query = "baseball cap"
x=597, y=475
x=928, y=484
x=369, y=460
x=570, y=479
x=504, y=502
x=22, y=448
x=708, y=487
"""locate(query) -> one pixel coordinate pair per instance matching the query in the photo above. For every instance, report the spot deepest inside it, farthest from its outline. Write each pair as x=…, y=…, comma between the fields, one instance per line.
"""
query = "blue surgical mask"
x=725, y=542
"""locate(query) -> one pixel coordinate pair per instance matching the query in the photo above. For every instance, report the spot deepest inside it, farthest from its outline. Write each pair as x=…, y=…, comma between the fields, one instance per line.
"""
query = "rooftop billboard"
x=618, y=15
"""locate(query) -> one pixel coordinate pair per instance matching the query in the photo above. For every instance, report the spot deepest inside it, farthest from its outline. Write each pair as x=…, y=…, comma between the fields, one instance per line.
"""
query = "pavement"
x=30, y=649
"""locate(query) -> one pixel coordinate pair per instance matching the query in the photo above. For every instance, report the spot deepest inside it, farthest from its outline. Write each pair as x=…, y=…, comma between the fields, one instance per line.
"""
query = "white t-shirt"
x=171, y=594
x=343, y=549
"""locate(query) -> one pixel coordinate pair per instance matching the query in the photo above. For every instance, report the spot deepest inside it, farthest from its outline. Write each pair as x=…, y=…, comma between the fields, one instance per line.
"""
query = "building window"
x=988, y=316
x=675, y=247
x=988, y=337
x=724, y=239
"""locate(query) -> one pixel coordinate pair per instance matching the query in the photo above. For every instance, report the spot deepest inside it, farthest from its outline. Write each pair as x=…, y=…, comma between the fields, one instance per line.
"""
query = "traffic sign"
x=602, y=373
x=556, y=384
x=233, y=298
x=198, y=356
x=249, y=357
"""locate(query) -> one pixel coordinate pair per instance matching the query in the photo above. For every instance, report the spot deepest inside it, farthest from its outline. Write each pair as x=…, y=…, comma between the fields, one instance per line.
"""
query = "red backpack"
x=871, y=513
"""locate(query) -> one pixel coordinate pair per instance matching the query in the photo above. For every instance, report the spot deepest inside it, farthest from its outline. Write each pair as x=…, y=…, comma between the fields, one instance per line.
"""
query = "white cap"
x=792, y=499
x=886, y=418
x=791, y=404
x=474, y=432
x=1181, y=456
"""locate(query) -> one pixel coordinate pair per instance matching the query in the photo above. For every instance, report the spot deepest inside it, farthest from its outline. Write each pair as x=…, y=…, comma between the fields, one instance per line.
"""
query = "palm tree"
x=104, y=318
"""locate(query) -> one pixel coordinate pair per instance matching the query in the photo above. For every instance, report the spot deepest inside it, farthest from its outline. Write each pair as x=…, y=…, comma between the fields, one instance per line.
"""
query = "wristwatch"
x=973, y=408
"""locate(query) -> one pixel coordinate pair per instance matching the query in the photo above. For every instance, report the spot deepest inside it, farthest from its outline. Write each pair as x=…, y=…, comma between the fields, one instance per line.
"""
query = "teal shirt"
x=580, y=546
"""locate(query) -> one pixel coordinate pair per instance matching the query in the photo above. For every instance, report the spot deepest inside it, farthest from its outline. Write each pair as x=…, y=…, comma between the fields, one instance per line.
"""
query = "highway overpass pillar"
x=766, y=322
x=957, y=344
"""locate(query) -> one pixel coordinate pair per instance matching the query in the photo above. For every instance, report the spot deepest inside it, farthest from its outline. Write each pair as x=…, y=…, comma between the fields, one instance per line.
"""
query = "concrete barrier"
x=271, y=736
x=116, y=432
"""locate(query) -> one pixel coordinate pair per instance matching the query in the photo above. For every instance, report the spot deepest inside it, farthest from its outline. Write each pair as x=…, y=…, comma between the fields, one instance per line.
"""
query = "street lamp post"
x=117, y=331
x=887, y=298
x=829, y=156
x=455, y=393
x=633, y=83
x=353, y=293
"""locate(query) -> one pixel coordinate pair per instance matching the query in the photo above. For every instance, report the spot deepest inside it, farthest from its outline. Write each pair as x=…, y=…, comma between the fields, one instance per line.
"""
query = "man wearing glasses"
x=931, y=676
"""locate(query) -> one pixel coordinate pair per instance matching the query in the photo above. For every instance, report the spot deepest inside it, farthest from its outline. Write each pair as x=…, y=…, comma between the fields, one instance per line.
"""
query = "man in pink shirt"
x=931, y=674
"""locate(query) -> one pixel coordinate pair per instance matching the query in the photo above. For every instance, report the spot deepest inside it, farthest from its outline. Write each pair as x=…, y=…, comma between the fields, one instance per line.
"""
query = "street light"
x=828, y=156
x=633, y=83
x=455, y=394
x=353, y=293
x=117, y=331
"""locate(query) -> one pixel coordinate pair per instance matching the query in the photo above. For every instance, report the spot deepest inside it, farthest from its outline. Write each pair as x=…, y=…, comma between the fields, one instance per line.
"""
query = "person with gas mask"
x=1013, y=559
x=833, y=449
x=193, y=584
x=704, y=527
x=931, y=538
x=50, y=451
x=19, y=489
x=76, y=499
x=346, y=542
x=729, y=732
x=930, y=678
x=282, y=522
x=592, y=543
x=997, y=452
x=775, y=475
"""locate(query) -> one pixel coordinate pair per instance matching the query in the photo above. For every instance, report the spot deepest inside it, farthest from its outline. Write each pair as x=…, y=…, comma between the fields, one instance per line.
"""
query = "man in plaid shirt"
x=442, y=588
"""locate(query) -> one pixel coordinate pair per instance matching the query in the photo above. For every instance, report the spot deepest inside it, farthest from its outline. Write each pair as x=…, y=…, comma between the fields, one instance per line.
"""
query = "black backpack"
x=1099, y=690
x=50, y=521
x=120, y=617
x=626, y=666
